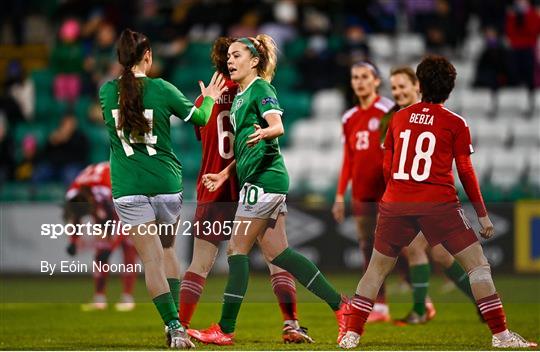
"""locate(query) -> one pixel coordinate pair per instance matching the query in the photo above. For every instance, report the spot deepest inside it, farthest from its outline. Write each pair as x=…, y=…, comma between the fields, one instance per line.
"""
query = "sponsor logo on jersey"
x=269, y=100
x=373, y=124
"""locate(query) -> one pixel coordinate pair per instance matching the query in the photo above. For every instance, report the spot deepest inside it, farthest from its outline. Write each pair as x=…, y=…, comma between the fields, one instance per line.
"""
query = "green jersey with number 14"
x=262, y=164
x=145, y=164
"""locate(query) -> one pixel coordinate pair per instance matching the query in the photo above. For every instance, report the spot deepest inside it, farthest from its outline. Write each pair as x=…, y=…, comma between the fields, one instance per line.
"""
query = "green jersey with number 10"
x=262, y=164
x=146, y=164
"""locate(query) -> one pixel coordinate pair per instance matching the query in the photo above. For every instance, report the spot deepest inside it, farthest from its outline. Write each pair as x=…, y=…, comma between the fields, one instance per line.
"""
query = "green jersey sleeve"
x=267, y=102
x=184, y=109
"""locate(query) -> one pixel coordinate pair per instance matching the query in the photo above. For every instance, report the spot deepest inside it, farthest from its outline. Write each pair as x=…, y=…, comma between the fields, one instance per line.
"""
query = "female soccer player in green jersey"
x=146, y=175
x=256, y=119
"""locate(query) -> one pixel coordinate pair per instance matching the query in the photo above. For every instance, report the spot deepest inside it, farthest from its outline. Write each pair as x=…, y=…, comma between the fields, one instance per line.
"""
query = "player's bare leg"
x=191, y=288
x=151, y=252
x=275, y=248
x=365, y=226
x=127, y=303
x=362, y=303
x=475, y=263
x=284, y=288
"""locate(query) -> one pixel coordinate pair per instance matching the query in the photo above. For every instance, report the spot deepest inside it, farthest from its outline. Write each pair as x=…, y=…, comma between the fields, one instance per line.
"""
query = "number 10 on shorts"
x=250, y=194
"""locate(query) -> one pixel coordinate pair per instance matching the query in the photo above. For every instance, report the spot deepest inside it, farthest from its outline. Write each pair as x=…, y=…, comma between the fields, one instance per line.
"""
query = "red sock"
x=130, y=257
x=492, y=311
x=285, y=291
x=367, y=248
x=358, y=312
x=190, y=291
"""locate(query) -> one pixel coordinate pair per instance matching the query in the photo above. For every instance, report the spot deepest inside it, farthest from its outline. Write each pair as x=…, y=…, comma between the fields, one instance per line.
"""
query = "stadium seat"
x=475, y=102
x=197, y=53
x=43, y=81
x=513, y=100
x=328, y=103
x=489, y=132
x=99, y=142
x=296, y=104
x=186, y=77
x=508, y=167
x=286, y=77
x=409, y=45
x=533, y=167
x=381, y=46
x=482, y=162
x=525, y=132
x=295, y=48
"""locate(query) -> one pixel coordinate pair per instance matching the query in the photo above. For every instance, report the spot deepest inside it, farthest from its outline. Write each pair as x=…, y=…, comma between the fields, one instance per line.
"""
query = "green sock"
x=234, y=291
x=166, y=308
x=420, y=283
x=308, y=275
x=174, y=285
x=456, y=273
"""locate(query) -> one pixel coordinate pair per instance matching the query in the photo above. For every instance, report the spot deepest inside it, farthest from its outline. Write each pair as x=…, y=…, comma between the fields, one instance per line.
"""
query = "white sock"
x=381, y=308
x=504, y=335
x=293, y=323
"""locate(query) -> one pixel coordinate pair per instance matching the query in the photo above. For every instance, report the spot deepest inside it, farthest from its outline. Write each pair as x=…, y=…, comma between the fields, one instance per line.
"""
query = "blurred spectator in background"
x=102, y=55
x=494, y=67
x=25, y=168
x=65, y=154
x=355, y=49
x=318, y=61
x=440, y=31
x=19, y=99
x=522, y=31
x=7, y=152
x=282, y=28
x=67, y=62
x=247, y=27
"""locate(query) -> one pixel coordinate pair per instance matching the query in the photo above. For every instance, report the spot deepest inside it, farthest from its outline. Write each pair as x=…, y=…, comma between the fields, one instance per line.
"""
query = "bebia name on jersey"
x=422, y=119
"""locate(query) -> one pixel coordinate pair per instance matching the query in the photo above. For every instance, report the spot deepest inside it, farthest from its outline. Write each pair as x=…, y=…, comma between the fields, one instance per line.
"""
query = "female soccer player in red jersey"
x=362, y=164
x=406, y=91
x=217, y=140
x=422, y=142
x=90, y=195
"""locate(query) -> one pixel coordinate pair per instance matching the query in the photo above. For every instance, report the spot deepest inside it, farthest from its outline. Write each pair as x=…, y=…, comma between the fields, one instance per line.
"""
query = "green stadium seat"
x=287, y=76
x=295, y=49
x=99, y=143
x=186, y=77
x=197, y=53
x=297, y=104
x=15, y=192
x=49, y=192
x=82, y=105
x=43, y=80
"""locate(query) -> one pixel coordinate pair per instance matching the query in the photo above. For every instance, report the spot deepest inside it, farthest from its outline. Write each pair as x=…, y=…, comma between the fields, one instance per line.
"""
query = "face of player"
x=242, y=65
x=404, y=91
x=364, y=82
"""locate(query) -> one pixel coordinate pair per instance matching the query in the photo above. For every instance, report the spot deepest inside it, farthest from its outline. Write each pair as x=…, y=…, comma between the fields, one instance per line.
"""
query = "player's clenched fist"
x=488, y=230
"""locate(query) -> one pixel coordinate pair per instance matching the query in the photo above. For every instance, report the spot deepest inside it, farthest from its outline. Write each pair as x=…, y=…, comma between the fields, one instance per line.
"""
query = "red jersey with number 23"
x=217, y=140
x=425, y=138
x=362, y=152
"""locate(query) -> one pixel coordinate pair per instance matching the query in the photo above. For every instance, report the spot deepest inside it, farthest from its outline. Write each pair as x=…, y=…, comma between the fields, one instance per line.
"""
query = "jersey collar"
x=249, y=85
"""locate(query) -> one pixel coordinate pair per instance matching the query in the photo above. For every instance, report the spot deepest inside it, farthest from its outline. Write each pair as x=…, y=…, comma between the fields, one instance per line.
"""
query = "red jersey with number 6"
x=362, y=152
x=217, y=140
x=424, y=139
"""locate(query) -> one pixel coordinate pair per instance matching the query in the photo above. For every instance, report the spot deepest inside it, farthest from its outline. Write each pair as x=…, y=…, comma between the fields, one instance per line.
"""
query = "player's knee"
x=480, y=274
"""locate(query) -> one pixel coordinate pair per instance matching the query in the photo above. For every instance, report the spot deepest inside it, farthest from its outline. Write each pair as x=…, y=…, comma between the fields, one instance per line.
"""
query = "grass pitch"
x=44, y=313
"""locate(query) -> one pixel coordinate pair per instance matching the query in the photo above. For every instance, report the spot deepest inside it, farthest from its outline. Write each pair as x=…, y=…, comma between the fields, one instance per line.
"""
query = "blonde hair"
x=267, y=49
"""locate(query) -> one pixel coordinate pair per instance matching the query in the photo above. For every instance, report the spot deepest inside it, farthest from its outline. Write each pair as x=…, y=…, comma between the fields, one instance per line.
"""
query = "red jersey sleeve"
x=462, y=141
x=468, y=179
x=345, y=174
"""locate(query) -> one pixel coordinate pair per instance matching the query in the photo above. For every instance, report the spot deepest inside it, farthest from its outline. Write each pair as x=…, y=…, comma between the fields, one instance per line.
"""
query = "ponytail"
x=131, y=48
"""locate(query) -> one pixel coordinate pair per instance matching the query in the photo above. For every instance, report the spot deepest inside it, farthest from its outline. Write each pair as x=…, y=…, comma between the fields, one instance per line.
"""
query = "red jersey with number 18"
x=424, y=139
x=217, y=140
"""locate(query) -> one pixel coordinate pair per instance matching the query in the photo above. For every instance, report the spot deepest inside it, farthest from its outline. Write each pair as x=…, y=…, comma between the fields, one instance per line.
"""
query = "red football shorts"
x=451, y=229
x=365, y=207
x=213, y=221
